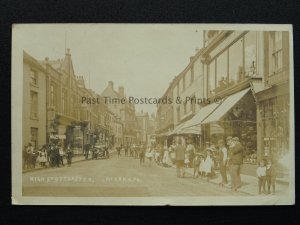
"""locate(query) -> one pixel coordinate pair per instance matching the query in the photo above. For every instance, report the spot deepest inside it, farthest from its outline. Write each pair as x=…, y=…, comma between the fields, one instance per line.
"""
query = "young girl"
x=42, y=158
x=261, y=174
x=270, y=176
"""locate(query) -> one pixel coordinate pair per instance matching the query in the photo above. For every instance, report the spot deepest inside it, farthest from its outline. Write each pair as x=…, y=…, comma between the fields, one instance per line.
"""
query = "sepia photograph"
x=152, y=114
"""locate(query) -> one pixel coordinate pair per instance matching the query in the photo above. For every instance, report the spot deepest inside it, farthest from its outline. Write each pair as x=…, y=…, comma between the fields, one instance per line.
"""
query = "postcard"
x=152, y=114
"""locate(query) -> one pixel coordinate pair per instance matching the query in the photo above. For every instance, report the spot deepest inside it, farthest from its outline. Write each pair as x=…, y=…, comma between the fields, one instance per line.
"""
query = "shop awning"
x=225, y=106
x=201, y=115
x=177, y=129
x=190, y=130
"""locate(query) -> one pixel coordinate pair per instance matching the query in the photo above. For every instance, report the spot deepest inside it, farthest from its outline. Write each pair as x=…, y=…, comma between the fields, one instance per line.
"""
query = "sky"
x=143, y=58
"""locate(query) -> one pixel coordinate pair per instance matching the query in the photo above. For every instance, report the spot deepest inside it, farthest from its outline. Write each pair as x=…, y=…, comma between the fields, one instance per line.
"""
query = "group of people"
x=229, y=155
x=52, y=155
x=96, y=150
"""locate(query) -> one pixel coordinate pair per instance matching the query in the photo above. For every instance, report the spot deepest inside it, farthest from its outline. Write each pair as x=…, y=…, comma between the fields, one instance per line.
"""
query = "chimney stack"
x=111, y=84
x=121, y=91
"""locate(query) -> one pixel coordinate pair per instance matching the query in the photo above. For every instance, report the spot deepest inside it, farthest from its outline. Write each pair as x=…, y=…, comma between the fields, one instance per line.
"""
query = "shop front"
x=235, y=117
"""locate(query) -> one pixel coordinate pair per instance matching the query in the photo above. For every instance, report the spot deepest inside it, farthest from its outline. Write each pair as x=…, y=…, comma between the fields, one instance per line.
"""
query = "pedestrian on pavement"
x=87, y=147
x=126, y=150
x=179, y=151
x=201, y=166
x=223, y=161
x=69, y=155
x=142, y=155
x=42, y=156
x=149, y=155
x=119, y=150
x=25, y=157
x=196, y=164
x=190, y=149
x=61, y=154
x=261, y=175
x=271, y=174
x=235, y=163
x=56, y=155
x=31, y=155
x=208, y=164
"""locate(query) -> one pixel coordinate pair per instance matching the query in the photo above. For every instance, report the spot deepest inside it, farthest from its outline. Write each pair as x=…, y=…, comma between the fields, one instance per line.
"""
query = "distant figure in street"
x=196, y=164
x=223, y=161
x=126, y=150
x=61, y=154
x=42, y=156
x=119, y=150
x=69, y=154
x=56, y=155
x=87, y=147
x=179, y=151
x=25, y=157
x=149, y=155
x=142, y=155
x=31, y=156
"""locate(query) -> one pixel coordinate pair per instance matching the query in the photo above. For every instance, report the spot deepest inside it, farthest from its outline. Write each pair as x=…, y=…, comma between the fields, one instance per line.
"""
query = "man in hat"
x=222, y=161
x=235, y=163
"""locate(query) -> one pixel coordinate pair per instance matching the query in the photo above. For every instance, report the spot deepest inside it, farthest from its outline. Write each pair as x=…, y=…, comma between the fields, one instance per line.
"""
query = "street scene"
x=146, y=115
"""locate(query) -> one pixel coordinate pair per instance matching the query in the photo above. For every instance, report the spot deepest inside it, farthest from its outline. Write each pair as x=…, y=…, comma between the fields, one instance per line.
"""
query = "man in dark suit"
x=87, y=147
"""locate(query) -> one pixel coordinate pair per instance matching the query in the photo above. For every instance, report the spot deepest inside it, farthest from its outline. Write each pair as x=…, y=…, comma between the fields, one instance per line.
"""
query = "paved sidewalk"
x=249, y=183
x=75, y=159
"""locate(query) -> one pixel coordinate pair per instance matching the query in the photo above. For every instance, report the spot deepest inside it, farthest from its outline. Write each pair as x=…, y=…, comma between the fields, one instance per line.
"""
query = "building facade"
x=34, y=102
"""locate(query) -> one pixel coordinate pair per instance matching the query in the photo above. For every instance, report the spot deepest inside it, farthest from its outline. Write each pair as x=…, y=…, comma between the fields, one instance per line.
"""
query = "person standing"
x=87, y=147
x=25, y=157
x=271, y=176
x=261, y=175
x=56, y=155
x=42, y=156
x=179, y=156
x=69, y=155
x=61, y=154
x=142, y=155
x=235, y=163
x=223, y=161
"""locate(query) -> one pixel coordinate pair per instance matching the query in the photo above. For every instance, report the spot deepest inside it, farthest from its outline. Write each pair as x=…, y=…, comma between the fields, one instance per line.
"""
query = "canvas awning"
x=190, y=130
x=177, y=129
x=201, y=115
x=225, y=106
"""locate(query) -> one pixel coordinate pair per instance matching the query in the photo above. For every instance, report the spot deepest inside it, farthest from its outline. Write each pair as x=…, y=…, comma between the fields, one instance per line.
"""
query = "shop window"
x=250, y=54
x=33, y=105
x=222, y=71
x=235, y=62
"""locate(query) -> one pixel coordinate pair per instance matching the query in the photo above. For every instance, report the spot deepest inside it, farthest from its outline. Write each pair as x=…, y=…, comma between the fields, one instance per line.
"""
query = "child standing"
x=201, y=167
x=270, y=176
x=261, y=174
x=208, y=164
x=196, y=164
